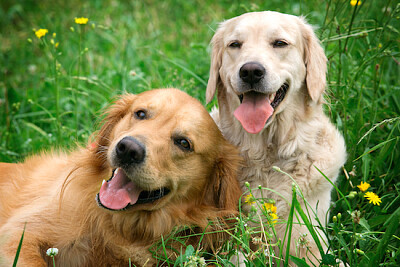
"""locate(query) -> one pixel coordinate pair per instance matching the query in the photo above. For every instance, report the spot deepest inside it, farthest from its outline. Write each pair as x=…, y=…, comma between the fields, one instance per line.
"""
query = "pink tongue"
x=120, y=191
x=254, y=112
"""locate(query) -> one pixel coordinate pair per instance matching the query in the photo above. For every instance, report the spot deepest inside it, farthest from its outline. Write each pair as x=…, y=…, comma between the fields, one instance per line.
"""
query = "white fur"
x=299, y=136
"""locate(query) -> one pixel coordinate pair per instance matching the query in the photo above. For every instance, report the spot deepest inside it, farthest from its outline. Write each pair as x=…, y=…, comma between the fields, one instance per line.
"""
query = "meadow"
x=54, y=88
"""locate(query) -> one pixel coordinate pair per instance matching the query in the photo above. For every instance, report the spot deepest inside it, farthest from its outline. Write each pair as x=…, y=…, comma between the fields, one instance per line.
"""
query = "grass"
x=51, y=97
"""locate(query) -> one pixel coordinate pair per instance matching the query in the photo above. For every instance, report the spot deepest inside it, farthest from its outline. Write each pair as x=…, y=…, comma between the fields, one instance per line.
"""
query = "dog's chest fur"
x=293, y=148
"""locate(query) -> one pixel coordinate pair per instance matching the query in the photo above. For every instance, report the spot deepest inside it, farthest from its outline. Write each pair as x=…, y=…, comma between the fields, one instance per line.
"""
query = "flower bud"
x=276, y=168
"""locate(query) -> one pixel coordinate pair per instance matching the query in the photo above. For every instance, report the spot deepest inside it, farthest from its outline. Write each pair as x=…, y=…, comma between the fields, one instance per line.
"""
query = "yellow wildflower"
x=269, y=207
x=41, y=32
x=249, y=199
x=81, y=20
x=273, y=217
x=355, y=2
x=363, y=186
x=373, y=198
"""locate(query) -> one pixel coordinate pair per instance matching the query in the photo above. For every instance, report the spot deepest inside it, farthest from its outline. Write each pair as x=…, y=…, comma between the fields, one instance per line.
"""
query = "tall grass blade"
x=309, y=226
x=289, y=227
x=375, y=148
x=19, y=247
x=392, y=226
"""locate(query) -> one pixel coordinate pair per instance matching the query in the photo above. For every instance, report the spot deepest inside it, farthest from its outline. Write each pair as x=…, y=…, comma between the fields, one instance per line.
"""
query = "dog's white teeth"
x=103, y=182
x=272, y=97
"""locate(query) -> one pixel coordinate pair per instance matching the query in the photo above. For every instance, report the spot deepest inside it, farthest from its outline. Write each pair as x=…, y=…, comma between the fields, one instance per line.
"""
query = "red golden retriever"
x=169, y=166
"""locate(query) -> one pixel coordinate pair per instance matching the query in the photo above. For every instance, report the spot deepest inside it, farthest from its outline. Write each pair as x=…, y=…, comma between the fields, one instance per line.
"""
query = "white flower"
x=52, y=252
x=195, y=261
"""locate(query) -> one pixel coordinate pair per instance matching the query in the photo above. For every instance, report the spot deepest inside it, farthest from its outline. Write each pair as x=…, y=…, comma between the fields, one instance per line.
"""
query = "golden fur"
x=54, y=193
x=298, y=136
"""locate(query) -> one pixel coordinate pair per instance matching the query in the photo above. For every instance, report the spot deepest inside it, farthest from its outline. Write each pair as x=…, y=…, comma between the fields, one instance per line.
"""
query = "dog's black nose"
x=252, y=72
x=129, y=150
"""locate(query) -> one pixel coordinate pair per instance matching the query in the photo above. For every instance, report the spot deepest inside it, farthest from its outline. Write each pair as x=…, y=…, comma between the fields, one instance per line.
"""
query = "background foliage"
x=52, y=97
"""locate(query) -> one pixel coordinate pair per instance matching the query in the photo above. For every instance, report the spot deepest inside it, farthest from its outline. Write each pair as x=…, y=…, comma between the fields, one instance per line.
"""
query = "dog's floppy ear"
x=315, y=61
x=223, y=190
x=216, y=61
x=112, y=116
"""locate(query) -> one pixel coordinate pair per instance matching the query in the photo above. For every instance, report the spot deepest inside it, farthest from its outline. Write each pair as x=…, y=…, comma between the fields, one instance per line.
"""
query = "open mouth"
x=276, y=97
x=120, y=193
x=256, y=108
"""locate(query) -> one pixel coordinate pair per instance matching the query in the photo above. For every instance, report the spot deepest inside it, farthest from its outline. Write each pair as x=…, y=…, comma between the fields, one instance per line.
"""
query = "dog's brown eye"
x=141, y=114
x=235, y=44
x=279, y=43
x=183, y=144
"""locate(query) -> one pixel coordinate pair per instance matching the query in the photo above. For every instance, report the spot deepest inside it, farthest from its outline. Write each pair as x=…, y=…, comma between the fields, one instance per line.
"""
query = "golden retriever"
x=169, y=166
x=269, y=71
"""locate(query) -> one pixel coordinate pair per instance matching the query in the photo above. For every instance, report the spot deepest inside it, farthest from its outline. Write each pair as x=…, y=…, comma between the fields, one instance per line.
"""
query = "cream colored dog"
x=269, y=70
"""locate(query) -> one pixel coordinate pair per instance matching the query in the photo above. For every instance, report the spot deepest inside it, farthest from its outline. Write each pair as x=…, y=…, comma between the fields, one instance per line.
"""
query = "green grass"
x=52, y=97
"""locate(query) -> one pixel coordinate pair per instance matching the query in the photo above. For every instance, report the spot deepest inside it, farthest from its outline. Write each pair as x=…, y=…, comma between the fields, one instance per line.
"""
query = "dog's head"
x=164, y=149
x=262, y=60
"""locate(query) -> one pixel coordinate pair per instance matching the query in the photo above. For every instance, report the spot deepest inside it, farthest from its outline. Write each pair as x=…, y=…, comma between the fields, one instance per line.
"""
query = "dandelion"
x=355, y=2
x=363, y=186
x=373, y=198
x=81, y=20
x=249, y=199
x=269, y=207
x=41, y=32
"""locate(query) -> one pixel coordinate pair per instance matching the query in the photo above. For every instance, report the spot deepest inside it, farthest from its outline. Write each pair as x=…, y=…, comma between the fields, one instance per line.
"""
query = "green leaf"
x=364, y=223
x=189, y=251
x=328, y=259
x=299, y=262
